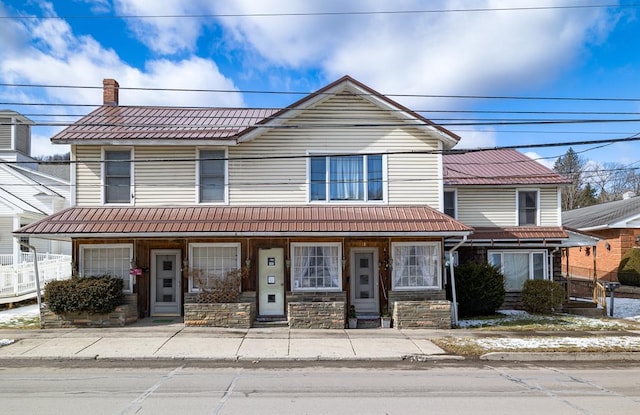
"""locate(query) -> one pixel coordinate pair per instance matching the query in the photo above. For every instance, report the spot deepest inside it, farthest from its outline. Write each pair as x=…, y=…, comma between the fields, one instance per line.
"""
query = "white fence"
x=19, y=280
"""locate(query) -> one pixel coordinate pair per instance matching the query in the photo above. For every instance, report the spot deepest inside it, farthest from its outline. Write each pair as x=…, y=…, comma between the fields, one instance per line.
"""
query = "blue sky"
x=494, y=51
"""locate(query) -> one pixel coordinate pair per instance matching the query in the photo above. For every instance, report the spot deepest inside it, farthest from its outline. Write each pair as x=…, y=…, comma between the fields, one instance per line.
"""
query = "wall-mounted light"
x=287, y=263
x=607, y=246
x=247, y=262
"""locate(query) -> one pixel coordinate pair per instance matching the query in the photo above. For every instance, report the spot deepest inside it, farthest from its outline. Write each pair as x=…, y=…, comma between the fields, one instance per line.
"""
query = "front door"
x=166, y=296
x=271, y=282
x=364, y=281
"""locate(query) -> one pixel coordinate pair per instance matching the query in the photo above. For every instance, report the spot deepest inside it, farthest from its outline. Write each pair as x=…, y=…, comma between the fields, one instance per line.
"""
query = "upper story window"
x=346, y=178
x=450, y=203
x=212, y=176
x=527, y=207
x=117, y=176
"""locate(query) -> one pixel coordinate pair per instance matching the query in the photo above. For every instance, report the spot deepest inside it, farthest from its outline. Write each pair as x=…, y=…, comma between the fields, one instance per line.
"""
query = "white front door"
x=166, y=295
x=271, y=282
x=364, y=281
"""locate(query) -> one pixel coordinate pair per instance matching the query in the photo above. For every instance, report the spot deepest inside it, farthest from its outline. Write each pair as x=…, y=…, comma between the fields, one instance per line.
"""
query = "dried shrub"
x=215, y=288
x=94, y=295
x=629, y=268
x=542, y=296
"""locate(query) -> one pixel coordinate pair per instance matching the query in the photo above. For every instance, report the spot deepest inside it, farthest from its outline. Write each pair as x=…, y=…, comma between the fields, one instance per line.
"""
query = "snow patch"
x=6, y=342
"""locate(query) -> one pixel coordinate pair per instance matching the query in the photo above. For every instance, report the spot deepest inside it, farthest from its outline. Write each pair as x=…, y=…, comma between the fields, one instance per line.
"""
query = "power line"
x=328, y=13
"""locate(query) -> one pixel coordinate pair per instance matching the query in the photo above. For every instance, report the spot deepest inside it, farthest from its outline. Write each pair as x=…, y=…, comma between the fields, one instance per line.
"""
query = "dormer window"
x=346, y=178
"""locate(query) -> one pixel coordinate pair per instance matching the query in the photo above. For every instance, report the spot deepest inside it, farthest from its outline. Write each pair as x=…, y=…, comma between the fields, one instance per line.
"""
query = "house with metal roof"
x=342, y=200
x=617, y=223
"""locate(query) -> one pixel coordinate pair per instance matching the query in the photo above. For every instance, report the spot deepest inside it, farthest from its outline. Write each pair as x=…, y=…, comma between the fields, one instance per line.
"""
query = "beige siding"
x=481, y=206
x=5, y=133
x=412, y=178
x=88, y=189
x=165, y=183
x=23, y=139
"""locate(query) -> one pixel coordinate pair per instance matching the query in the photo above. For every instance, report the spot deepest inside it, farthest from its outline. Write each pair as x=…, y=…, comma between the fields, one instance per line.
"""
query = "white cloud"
x=476, y=139
x=97, y=6
x=545, y=161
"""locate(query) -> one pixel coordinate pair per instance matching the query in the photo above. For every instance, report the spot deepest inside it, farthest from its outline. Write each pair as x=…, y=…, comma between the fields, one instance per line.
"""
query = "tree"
x=571, y=166
x=587, y=196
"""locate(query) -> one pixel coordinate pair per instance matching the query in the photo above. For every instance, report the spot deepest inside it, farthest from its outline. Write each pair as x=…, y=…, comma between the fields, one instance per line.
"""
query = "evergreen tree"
x=571, y=166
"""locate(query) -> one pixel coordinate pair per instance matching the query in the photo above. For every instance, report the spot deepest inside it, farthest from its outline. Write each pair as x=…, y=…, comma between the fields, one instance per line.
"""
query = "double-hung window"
x=210, y=261
x=450, y=203
x=316, y=266
x=212, y=175
x=346, y=178
x=519, y=266
x=527, y=207
x=113, y=260
x=117, y=176
x=416, y=266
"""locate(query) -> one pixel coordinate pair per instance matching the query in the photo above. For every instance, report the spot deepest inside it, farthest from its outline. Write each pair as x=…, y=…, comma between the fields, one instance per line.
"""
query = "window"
x=450, y=203
x=416, y=266
x=212, y=176
x=527, y=207
x=316, y=267
x=517, y=267
x=211, y=261
x=113, y=260
x=117, y=176
x=346, y=178
x=23, y=248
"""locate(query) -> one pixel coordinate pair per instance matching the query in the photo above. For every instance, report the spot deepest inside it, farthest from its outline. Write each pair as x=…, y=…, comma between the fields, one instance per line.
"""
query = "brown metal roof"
x=519, y=233
x=174, y=123
x=496, y=167
x=227, y=220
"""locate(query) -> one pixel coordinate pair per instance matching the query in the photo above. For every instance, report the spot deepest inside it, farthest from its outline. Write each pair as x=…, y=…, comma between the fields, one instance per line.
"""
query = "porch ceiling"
x=240, y=221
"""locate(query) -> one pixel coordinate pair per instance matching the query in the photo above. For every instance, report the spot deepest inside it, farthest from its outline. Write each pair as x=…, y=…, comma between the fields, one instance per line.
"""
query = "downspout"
x=37, y=275
x=454, y=297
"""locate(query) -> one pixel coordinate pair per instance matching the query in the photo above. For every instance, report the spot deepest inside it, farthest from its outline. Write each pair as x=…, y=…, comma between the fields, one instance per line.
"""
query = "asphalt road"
x=438, y=389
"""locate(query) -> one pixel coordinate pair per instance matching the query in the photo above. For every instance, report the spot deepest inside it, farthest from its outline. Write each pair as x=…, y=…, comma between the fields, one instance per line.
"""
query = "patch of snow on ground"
x=5, y=342
x=627, y=308
x=627, y=342
x=29, y=311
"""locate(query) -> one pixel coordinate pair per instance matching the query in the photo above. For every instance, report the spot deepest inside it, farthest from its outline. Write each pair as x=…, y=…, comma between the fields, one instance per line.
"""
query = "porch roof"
x=517, y=236
x=181, y=221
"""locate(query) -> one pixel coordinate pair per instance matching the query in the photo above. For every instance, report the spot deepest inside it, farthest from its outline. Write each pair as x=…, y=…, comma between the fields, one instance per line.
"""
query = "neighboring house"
x=617, y=223
x=337, y=198
x=26, y=196
x=513, y=204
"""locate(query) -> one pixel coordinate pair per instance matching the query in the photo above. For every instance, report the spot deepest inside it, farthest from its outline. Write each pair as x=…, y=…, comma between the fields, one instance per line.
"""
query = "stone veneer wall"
x=231, y=315
x=126, y=313
x=434, y=314
x=316, y=310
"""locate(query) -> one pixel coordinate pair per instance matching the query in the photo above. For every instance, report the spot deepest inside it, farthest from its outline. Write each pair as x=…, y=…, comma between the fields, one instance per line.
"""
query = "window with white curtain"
x=416, y=266
x=210, y=260
x=113, y=260
x=346, y=178
x=520, y=266
x=316, y=266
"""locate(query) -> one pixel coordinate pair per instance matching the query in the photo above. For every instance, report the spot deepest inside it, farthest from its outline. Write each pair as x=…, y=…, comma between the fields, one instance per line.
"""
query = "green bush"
x=542, y=296
x=95, y=295
x=629, y=268
x=479, y=289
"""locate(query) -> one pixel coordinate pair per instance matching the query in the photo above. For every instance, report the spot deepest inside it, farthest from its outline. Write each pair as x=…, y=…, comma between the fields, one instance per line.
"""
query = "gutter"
x=37, y=275
x=454, y=297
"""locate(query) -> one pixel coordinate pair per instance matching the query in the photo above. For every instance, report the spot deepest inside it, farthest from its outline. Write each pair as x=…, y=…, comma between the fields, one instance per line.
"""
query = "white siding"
x=481, y=206
x=412, y=178
x=6, y=238
x=5, y=133
x=165, y=183
x=88, y=175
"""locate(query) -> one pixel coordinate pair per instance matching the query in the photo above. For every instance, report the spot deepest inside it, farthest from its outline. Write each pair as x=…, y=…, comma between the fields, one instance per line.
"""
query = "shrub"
x=94, y=295
x=629, y=268
x=479, y=289
x=542, y=296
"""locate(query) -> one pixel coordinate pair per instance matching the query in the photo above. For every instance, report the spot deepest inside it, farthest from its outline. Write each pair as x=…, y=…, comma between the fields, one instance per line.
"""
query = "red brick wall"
x=607, y=259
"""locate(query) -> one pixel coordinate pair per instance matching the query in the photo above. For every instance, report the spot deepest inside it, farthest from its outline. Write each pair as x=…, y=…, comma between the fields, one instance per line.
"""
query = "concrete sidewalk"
x=175, y=341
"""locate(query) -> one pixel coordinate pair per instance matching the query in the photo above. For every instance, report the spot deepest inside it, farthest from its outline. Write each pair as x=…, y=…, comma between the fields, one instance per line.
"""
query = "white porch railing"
x=18, y=280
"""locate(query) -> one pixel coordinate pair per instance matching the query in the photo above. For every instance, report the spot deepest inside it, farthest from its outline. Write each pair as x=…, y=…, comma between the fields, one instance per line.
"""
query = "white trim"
x=236, y=245
x=438, y=285
x=294, y=245
x=225, y=200
x=530, y=253
x=103, y=164
x=559, y=206
x=455, y=201
x=528, y=189
x=73, y=176
x=81, y=253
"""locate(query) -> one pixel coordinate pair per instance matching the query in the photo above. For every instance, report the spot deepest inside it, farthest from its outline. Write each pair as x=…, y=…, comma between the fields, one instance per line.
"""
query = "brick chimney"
x=110, y=92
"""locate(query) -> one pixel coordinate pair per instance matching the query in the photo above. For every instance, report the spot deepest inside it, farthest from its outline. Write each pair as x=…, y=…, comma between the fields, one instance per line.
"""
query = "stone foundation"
x=435, y=314
x=316, y=315
x=229, y=315
x=122, y=315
